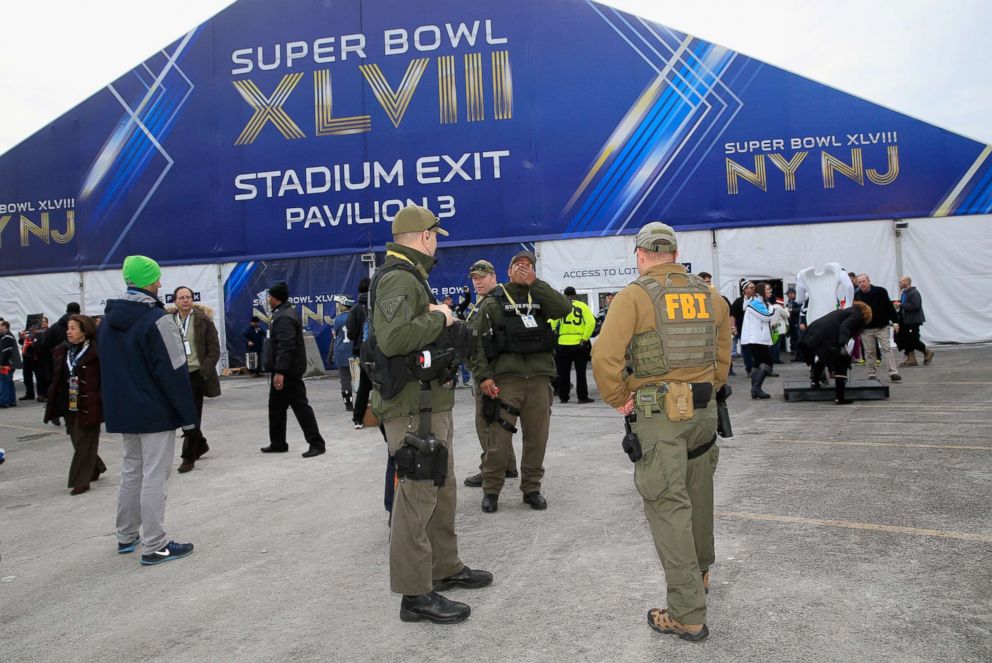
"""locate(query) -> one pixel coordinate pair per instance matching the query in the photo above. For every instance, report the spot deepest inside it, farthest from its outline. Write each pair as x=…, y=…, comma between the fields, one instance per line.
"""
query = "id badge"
x=529, y=321
x=73, y=394
x=187, y=348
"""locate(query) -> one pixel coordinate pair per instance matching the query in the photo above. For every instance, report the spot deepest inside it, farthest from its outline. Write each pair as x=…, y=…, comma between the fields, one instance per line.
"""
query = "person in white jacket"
x=757, y=335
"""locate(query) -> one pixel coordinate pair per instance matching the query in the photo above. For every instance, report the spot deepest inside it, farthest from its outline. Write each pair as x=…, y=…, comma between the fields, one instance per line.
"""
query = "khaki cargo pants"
x=532, y=397
x=423, y=546
x=482, y=430
x=678, y=503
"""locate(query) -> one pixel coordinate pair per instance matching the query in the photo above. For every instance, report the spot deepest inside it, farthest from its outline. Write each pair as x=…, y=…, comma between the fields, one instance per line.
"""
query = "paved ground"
x=843, y=534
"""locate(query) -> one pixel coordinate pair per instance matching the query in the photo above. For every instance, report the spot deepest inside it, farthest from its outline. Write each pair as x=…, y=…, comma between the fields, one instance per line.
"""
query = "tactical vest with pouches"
x=511, y=335
x=689, y=341
x=391, y=374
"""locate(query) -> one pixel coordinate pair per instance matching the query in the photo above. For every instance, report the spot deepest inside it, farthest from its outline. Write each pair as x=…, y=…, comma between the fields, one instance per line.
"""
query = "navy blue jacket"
x=145, y=381
x=256, y=335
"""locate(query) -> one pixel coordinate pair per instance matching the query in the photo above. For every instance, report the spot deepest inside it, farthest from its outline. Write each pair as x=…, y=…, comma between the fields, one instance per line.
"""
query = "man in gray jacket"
x=911, y=315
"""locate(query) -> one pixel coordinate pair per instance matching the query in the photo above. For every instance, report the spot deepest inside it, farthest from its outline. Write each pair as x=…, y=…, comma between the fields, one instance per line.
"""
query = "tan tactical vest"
x=685, y=327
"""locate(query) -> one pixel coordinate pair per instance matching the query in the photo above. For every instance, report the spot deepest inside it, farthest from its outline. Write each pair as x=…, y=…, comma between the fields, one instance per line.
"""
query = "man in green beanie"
x=146, y=397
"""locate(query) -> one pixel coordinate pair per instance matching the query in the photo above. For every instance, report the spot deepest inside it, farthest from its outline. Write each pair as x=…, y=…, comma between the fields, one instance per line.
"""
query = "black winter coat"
x=826, y=336
x=285, y=352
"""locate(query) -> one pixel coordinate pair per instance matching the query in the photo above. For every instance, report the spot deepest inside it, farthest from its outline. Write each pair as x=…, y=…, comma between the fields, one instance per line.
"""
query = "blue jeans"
x=7, y=394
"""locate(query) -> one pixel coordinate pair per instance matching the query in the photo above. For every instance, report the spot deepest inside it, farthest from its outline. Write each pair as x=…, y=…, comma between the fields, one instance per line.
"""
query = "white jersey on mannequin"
x=828, y=288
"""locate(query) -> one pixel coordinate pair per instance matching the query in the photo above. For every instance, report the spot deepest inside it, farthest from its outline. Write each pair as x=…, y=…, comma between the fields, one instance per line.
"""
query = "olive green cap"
x=415, y=219
x=481, y=267
x=658, y=237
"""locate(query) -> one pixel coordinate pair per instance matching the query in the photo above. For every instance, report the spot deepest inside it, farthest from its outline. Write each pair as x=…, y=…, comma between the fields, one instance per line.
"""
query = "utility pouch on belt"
x=677, y=399
x=678, y=402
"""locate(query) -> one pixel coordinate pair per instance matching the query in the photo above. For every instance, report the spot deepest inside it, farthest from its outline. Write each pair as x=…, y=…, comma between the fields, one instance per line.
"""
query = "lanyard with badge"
x=530, y=322
x=183, y=328
x=72, y=360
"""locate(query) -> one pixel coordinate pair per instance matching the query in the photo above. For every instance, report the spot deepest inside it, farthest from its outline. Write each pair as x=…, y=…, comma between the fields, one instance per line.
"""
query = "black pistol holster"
x=490, y=412
x=723, y=425
x=423, y=457
x=631, y=443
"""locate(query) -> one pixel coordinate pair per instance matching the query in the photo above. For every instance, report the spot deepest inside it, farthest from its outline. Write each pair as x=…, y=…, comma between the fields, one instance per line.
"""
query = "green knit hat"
x=140, y=271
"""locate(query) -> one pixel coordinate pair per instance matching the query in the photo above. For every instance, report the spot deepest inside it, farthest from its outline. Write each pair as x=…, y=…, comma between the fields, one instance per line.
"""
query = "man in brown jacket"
x=662, y=354
x=202, y=346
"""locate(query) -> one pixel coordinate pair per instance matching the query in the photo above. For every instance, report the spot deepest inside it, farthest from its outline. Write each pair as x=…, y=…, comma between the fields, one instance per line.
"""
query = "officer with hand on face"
x=662, y=356
x=513, y=365
x=409, y=353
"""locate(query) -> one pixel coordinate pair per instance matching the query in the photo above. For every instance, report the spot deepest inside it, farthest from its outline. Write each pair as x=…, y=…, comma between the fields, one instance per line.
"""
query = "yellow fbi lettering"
x=686, y=306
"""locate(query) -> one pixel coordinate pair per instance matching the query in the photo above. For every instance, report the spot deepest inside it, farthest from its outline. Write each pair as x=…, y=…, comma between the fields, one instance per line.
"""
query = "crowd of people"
x=661, y=357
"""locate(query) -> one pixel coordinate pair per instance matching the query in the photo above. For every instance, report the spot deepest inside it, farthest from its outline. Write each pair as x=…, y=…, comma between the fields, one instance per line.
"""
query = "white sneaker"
x=358, y=426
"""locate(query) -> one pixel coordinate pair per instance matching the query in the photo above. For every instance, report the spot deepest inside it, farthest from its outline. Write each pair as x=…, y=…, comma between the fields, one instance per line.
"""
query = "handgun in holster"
x=631, y=443
x=423, y=457
x=490, y=412
x=723, y=426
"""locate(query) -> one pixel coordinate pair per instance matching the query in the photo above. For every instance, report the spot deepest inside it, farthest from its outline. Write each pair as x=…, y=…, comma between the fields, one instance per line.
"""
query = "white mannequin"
x=827, y=288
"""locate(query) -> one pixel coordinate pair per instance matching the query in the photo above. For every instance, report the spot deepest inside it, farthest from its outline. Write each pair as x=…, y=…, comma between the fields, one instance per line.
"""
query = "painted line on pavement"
x=847, y=524
x=892, y=444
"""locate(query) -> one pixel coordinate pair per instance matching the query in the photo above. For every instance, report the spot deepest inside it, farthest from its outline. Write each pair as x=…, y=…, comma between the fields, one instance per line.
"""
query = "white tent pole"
x=897, y=226
x=715, y=253
x=221, y=322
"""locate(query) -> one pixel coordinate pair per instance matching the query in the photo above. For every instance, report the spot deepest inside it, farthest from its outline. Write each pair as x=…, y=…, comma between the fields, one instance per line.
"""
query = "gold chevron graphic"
x=447, y=89
x=502, y=86
x=475, y=95
x=395, y=102
x=327, y=124
x=268, y=109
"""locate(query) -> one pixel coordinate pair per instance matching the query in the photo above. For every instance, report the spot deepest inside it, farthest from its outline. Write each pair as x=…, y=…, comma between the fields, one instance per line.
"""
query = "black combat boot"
x=757, y=377
x=433, y=607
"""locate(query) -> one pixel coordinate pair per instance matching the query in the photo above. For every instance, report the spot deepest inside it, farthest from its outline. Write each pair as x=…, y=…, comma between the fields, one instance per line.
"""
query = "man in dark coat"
x=824, y=345
x=356, y=332
x=202, y=346
x=254, y=337
x=910, y=318
x=286, y=360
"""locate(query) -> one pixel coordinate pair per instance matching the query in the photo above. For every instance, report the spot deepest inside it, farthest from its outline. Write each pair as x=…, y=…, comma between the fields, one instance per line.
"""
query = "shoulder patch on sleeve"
x=388, y=307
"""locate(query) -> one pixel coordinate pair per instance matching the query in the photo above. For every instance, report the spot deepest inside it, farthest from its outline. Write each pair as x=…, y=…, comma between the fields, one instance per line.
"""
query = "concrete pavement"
x=843, y=534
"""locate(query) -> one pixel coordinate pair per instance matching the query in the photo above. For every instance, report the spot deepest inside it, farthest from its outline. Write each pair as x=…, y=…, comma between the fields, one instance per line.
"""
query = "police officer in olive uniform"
x=483, y=276
x=513, y=366
x=663, y=353
x=407, y=326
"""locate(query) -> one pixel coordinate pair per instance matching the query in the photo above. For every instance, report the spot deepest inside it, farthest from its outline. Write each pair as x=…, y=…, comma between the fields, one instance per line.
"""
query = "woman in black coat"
x=75, y=395
x=825, y=345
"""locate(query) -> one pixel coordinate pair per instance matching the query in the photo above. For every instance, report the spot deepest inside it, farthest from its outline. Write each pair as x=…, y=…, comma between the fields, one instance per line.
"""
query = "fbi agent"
x=411, y=359
x=662, y=354
x=513, y=365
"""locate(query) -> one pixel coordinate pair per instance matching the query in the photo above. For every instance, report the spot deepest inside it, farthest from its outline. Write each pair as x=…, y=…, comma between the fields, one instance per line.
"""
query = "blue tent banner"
x=300, y=128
